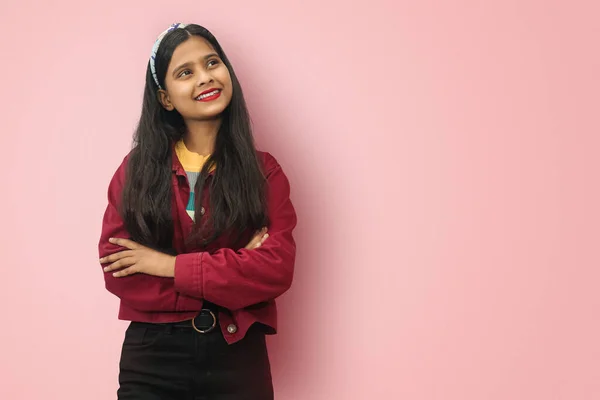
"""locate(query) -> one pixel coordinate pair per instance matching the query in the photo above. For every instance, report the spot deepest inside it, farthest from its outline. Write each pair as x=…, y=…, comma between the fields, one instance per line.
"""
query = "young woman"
x=184, y=240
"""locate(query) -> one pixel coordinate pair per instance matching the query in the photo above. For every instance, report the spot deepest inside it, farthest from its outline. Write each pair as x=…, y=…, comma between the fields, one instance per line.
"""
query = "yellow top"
x=191, y=162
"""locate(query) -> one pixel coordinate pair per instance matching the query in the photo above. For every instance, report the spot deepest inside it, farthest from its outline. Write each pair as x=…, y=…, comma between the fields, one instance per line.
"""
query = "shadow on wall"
x=280, y=133
x=289, y=128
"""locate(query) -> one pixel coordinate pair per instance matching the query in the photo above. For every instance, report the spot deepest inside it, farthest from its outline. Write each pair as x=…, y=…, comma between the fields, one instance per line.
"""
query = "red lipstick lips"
x=209, y=95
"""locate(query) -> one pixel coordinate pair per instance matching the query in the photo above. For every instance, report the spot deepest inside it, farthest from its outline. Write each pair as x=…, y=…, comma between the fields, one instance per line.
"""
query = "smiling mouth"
x=212, y=95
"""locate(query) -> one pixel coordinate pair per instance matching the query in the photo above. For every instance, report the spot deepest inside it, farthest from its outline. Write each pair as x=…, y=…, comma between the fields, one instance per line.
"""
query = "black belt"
x=206, y=321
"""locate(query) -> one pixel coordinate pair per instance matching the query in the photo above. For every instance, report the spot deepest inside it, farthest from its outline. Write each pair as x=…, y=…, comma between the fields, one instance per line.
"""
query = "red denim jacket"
x=244, y=282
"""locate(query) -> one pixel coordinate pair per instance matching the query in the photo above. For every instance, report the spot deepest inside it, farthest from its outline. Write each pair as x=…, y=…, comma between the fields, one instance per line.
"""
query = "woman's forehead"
x=193, y=49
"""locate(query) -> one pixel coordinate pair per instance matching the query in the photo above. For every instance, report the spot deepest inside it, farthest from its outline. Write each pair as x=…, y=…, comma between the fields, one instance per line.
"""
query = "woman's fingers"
x=130, y=244
x=262, y=240
x=126, y=272
x=251, y=243
x=122, y=263
x=116, y=256
x=257, y=239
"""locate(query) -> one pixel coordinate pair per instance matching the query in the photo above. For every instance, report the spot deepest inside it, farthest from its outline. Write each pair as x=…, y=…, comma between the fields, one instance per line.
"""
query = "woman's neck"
x=201, y=136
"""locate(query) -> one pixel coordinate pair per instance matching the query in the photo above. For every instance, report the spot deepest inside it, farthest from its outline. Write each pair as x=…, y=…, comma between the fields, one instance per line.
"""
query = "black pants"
x=163, y=362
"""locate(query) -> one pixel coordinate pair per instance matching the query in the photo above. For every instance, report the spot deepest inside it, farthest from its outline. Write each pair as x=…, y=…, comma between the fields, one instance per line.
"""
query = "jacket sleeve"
x=238, y=279
x=140, y=291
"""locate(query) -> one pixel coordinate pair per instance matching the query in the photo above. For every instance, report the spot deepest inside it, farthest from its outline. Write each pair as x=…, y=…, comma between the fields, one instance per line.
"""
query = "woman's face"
x=198, y=84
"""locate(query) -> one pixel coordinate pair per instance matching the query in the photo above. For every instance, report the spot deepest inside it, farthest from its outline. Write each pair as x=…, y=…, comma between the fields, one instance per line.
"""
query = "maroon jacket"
x=244, y=282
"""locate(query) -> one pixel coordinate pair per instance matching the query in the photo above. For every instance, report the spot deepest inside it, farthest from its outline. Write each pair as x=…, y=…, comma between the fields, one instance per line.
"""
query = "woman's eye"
x=183, y=73
x=212, y=63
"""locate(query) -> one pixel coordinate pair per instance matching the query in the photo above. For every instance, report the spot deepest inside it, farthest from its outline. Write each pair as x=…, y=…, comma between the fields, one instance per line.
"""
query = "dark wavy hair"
x=237, y=189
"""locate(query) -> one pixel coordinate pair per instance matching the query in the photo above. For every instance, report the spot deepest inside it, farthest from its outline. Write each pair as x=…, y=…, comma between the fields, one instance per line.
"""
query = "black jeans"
x=163, y=362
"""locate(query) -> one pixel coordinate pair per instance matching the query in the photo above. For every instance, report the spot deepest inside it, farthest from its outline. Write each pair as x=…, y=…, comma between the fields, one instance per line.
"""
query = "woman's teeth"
x=203, y=96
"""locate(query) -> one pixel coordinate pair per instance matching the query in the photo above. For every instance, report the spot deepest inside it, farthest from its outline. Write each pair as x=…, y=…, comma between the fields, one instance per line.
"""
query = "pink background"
x=444, y=163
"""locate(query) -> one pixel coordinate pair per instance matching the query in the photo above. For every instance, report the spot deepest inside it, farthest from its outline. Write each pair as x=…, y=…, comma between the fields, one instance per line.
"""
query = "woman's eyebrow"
x=184, y=65
x=187, y=64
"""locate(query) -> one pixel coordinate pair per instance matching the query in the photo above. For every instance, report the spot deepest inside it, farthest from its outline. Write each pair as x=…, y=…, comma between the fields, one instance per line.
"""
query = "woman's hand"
x=138, y=259
x=258, y=239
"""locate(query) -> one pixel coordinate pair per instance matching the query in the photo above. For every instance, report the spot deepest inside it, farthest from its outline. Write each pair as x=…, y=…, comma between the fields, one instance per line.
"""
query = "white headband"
x=155, y=49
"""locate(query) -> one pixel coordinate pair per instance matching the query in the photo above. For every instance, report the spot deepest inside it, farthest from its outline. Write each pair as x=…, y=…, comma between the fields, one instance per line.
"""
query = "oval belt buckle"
x=210, y=328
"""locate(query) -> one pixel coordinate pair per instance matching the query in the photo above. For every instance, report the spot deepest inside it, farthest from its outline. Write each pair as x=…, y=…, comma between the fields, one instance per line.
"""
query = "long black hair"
x=237, y=189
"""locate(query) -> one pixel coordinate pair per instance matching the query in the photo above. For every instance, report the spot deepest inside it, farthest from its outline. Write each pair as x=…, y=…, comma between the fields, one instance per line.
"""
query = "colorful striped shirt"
x=192, y=164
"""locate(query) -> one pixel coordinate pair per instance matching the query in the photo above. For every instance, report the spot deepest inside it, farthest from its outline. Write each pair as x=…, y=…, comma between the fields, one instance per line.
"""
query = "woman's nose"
x=204, y=78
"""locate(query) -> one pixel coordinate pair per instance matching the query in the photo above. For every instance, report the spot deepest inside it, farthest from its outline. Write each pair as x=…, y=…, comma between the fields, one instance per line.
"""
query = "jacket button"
x=202, y=211
x=232, y=329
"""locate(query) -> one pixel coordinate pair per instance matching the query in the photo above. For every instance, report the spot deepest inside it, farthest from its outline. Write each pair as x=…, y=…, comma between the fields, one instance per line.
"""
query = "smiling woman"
x=195, y=60
x=184, y=240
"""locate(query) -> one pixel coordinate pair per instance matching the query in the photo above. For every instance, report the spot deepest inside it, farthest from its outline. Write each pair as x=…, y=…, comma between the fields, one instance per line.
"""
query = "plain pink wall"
x=444, y=163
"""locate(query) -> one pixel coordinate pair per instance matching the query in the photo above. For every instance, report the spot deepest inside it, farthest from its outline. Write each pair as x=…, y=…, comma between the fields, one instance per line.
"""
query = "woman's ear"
x=163, y=97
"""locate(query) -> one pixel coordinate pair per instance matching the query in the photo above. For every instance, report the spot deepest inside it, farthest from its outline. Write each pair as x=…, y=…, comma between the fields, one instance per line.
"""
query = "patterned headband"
x=155, y=49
